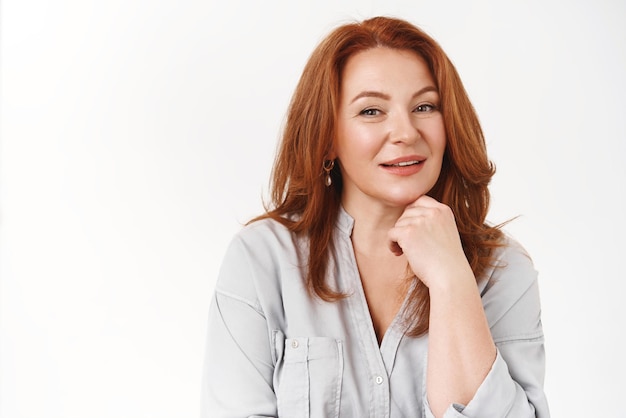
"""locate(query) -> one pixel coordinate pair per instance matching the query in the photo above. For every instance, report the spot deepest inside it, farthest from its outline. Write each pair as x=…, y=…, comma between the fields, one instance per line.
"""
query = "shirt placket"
x=378, y=376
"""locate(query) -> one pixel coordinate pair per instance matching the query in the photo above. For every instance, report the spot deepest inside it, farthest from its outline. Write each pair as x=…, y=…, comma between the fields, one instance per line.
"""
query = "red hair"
x=300, y=199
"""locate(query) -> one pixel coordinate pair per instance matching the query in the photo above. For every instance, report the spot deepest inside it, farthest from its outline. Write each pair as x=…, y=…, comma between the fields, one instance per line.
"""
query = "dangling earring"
x=328, y=167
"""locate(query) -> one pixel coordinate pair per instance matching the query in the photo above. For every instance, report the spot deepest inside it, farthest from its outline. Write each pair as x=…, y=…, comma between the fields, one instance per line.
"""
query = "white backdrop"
x=137, y=136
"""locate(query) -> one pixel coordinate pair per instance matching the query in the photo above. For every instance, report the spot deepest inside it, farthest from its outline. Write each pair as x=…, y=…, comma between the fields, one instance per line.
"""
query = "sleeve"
x=513, y=388
x=238, y=366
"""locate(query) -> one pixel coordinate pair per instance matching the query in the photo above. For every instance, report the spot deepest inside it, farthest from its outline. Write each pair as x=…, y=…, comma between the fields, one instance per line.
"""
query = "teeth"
x=404, y=164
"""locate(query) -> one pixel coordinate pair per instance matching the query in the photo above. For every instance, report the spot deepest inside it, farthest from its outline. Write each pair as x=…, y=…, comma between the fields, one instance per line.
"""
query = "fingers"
x=423, y=215
x=395, y=248
x=425, y=206
x=413, y=214
x=425, y=201
x=424, y=219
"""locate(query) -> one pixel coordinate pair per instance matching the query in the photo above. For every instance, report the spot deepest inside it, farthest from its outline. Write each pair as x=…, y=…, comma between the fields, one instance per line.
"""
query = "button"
x=294, y=344
x=379, y=380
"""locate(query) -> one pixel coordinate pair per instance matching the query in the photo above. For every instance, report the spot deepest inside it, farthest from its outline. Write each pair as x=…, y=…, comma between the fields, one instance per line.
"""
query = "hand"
x=426, y=233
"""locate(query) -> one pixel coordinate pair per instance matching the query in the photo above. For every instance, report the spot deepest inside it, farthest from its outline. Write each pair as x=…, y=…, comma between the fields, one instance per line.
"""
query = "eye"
x=370, y=112
x=426, y=107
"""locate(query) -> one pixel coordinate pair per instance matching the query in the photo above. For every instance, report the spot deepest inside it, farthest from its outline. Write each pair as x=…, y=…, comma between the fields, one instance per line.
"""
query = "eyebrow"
x=380, y=95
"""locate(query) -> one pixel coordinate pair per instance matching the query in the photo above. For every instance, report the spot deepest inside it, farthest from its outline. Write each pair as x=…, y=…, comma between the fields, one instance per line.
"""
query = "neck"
x=371, y=226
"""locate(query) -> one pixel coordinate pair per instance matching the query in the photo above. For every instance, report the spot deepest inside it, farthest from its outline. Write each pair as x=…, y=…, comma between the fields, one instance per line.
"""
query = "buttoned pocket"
x=308, y=376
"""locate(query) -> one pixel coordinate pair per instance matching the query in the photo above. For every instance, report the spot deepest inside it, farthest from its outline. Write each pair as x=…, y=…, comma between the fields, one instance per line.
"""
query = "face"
x=390, y=137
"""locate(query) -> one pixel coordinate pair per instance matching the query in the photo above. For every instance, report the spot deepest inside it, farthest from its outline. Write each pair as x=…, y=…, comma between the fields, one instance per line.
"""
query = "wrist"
x=453, y=283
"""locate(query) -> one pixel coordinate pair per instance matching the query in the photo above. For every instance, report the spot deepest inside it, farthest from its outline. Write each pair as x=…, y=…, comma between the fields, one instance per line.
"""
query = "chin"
x=403, y=201
x=404, y=197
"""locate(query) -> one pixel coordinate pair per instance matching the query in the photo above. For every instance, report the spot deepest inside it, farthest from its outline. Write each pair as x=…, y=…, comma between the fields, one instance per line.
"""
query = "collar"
x=345, y=222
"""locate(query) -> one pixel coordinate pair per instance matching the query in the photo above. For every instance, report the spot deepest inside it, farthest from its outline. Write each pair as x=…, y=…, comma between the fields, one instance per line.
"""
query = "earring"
x=328, y=166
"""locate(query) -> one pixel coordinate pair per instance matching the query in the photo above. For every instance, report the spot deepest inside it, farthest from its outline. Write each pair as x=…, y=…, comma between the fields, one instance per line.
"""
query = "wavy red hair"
x=301, y=201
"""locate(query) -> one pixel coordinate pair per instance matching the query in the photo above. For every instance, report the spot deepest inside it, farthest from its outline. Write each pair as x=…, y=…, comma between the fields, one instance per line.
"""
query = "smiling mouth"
x=403, y=164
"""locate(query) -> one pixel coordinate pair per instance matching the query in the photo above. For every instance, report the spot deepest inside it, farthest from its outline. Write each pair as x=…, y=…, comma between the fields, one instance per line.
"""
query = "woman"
x=372, y=287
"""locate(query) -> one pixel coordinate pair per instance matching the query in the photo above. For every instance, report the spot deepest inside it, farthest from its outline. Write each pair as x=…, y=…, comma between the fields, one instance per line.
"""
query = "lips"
x=404, y=166
x=404, y=161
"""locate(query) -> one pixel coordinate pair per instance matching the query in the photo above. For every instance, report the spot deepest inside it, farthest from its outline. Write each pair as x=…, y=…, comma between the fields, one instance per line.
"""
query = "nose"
x=403, y=128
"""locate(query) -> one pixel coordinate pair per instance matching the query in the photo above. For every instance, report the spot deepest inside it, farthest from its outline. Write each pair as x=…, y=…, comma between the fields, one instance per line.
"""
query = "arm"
x=514, y=385
x=466, y=375
x=238, y=368
x=460, y=348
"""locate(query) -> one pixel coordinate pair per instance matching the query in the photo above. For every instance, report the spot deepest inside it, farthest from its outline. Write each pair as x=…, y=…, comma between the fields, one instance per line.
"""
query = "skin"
x=389, y=110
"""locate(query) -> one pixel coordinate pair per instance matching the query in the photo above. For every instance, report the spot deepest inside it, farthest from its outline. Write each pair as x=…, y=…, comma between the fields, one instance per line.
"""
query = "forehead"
x=379, y=67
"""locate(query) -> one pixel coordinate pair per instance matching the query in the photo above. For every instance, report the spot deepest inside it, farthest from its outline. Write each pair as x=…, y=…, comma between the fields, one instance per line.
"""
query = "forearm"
x=460, y=349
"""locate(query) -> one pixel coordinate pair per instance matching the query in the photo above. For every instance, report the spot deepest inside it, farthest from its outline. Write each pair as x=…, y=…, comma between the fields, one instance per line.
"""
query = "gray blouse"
x=274, y=351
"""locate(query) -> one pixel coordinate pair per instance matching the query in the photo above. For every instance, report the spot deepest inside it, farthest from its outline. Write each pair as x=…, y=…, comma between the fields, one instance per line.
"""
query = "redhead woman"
x=373, y=285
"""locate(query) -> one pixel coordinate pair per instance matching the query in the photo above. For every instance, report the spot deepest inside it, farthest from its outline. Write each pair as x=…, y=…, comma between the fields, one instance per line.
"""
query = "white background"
x=137, y=136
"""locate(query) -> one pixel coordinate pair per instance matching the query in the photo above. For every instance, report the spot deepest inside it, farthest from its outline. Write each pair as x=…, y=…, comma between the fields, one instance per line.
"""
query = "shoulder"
x=511, y=262
x=509, y=290
x=264, y=233
x=256, y=259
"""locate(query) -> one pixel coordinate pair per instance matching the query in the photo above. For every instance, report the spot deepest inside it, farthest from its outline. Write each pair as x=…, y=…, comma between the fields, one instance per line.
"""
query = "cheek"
x=438, y=139
x=357, y=141
x=441, y=145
